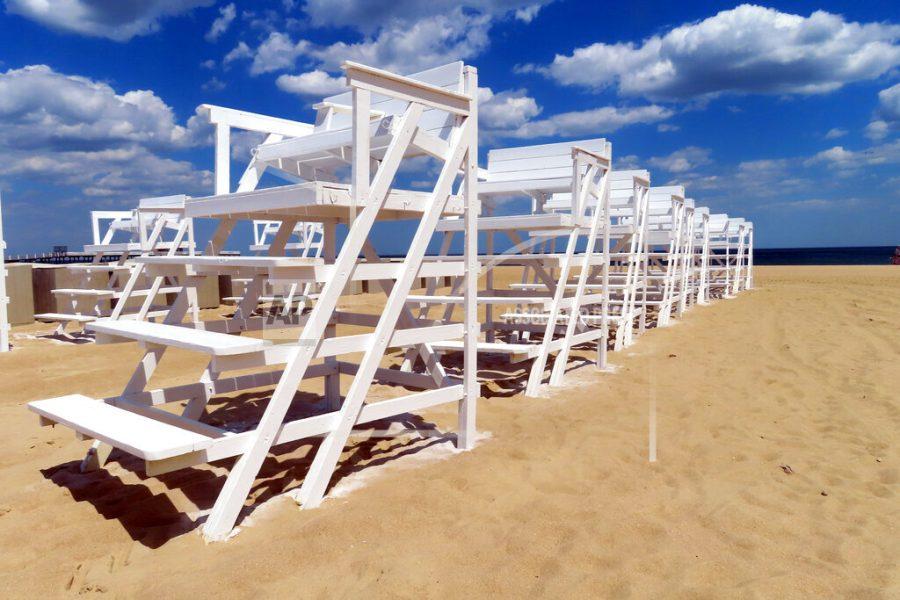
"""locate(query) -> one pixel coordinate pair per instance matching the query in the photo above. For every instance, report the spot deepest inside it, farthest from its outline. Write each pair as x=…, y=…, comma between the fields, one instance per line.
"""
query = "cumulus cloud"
x=877, y=129
x=505, y=110
x=214, y=84
x=749, y=49
x=124, y=174
x=597, y=121
x=313, y=83
x=528, y=13
x=887, y=114
x=835, y=133
x=221, y=24
x=76, y=133
x=369, y=15
x=42, y=108
x=889, y=103
x=239, y=52
x=403, y=36
x=119, y=21
x=682, y=161
x=277, y=53
x=844, y=159
x=834, y=155
x=398, y=47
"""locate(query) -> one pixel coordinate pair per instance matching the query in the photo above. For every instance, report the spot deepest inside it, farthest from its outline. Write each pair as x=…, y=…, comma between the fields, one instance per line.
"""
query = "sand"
x=778, y=416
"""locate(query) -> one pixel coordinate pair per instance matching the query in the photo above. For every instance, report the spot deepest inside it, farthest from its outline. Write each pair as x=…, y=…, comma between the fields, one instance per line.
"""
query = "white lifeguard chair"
x=384, y=120
x=118, y=288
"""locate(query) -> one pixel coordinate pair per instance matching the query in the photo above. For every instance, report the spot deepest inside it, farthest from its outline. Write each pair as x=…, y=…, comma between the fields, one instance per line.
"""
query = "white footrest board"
x=99, y=267
x=139, y=435
x=209, y=342
x=543, y=317
x=64, y=317
x=514, y=351
x=82, y=292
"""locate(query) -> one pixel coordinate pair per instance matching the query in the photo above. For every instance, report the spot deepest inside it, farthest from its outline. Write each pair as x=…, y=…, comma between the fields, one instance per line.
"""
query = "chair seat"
x=139, y=435
x=188, y=338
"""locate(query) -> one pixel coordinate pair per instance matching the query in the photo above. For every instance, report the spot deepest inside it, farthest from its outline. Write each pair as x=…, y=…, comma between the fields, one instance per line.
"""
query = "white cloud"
x=528, y=13
x=214, y=85
x=887, y=113
x=835, y=133
x=889, y=103
x=239, y=52
x=852, y=160
x=74, y=133
x=40, y=107
x=278, y=52
x=208, y=64
x=119, y=21
x=505, y=110
x=629, y=162
x=597, y=121
x=667, y=127
x=314, y=83
x=877, y=130
x=834, y=155
x=369, y=15
x=401, y=36
x=749, y=49
x=400, y=47
x=221, y=24
x=682, y=161
x=407, y=48
x=814, y=203
x=125, y=174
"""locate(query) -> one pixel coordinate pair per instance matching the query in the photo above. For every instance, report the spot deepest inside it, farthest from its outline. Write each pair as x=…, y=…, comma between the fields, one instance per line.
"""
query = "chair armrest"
x=346, y=109
x=406, y=88
x=248, y=121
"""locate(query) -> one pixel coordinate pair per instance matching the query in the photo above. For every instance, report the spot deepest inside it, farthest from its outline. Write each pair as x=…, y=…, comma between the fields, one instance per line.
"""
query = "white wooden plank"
x=216, y=344
x=139, y=435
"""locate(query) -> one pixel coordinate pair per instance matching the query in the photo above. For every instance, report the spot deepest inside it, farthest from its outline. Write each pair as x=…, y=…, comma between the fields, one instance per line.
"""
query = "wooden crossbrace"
x=319, y=324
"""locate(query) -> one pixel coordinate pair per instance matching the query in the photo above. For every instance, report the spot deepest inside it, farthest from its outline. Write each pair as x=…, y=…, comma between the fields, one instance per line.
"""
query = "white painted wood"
x=4, y=299
x=147, y=228
x=216, y=344
x=239, y=119
x=136, y=434
x=311, y=200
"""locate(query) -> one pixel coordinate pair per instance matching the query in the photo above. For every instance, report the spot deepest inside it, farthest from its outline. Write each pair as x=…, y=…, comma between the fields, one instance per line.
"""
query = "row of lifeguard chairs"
x=595, y=258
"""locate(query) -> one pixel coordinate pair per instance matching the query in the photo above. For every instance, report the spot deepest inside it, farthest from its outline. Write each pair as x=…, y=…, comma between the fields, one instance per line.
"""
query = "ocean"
x=864, y=255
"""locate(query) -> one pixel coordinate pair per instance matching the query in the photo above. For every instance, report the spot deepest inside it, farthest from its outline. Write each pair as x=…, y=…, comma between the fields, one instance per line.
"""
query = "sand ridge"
x=561, y=499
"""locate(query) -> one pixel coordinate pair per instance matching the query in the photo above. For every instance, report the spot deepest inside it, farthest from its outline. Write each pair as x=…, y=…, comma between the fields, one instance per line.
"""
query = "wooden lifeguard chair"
x=385, y=120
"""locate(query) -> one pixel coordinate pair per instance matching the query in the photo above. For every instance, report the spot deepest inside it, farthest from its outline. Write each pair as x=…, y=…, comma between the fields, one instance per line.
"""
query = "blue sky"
x=786, y=113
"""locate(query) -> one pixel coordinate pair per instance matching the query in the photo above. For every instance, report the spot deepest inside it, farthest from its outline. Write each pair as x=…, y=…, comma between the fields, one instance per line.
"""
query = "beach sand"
x=777, y=417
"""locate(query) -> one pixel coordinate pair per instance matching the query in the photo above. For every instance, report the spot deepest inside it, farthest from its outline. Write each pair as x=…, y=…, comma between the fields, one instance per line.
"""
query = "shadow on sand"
x=146, y=509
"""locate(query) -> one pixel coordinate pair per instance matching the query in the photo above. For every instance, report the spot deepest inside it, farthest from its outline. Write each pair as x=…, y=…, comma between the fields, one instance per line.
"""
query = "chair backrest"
x=262, y=230
x=439, y=123
x=718, y=223
x=664, y=200
x=543, y=161
x=622, y=184
x=621, y=193
x=115, y=220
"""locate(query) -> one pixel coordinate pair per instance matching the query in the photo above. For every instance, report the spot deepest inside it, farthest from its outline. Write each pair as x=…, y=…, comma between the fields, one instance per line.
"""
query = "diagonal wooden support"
x=581, y=184
x=237, y=486
x=601, y=211
x=320, y=471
